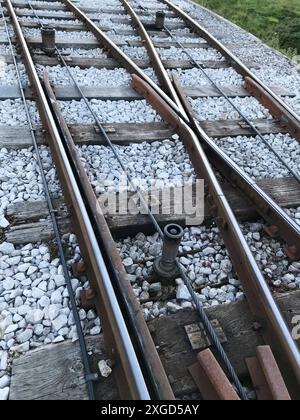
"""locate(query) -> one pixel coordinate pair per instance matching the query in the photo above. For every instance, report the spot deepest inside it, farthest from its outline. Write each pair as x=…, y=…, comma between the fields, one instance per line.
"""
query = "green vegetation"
x=276, y=22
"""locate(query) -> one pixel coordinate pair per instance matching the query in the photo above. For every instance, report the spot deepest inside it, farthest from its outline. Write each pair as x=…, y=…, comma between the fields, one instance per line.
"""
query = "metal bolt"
x=165, y=266
x=48, y=40
x=160, y=20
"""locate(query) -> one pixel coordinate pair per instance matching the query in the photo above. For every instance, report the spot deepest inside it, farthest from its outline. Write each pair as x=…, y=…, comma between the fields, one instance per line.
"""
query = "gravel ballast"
x=158, y=164
x=76, y=112
x=34, y=302
x=12, y=113
x=91, y=76
x=20, y=176
x=256, y=159
x=214, y=109
x=208, y=267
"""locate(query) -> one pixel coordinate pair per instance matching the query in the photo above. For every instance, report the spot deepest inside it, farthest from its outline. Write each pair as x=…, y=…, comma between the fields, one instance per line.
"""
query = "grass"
x=276, y=22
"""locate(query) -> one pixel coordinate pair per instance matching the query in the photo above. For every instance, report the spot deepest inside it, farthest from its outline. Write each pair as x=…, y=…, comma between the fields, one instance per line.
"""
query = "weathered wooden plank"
x=13, y=92
x=109, y=63
x=237, y=323
x=85, y=9
x=127, y=93
x=37, y=231
x=56, y=372
x=233, y=128
x=89, y=43
x=119, y=133
x=26, y=217
x=70, y=16
x=231, y=91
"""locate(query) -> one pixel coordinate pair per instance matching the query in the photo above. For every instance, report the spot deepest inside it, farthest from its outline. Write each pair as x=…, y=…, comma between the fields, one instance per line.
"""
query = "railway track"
x=93, y=139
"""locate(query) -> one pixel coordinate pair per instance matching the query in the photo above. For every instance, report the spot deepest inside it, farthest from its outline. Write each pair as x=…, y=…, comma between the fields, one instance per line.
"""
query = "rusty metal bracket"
x=266, y=376
x=211, y=380
x=88, y=299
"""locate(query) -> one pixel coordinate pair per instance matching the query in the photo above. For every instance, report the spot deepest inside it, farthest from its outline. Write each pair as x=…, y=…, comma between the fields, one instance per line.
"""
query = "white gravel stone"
x=143, y=161
x=255, y=158
x=4, y=381
x=104, y=369
x=76, y=112
x=7, y=248
x=220, y=109
x=24, y=336
x=4, y=393
x=35, y=316
x=183, y=293
x=195, y=77
x=12, y=113
x=60, y=322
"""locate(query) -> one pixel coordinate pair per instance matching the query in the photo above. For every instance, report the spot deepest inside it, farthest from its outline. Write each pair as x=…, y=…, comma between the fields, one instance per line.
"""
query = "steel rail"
x=260, y=298
x=94, y=205
x=267, y=208
x=123, y=350
x=118, y=54
x=160, y=386
x=158, y=66
x=57, y=235
x=288, y=116
x=295, y=174
x=208, y=326
x=280, y=223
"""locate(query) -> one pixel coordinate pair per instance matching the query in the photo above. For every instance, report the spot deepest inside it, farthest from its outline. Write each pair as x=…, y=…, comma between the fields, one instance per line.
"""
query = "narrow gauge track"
x=175, y=114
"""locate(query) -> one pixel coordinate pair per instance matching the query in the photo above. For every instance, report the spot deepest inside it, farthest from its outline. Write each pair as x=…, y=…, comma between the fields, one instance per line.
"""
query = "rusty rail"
x=259, y=297
x=158, y=66
x=261, y=301
x=138, y=324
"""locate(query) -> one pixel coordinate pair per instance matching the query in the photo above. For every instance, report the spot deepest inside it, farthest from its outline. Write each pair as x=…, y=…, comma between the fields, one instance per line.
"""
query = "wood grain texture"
x=56, y=372
x=124, y=134
x=31, y=220
x=237, y=322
